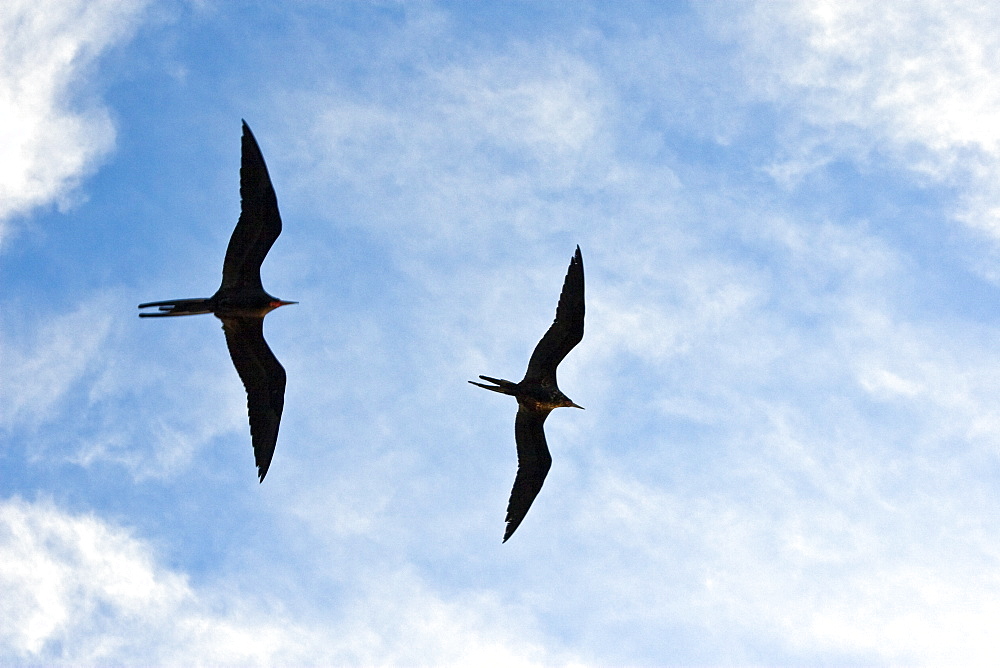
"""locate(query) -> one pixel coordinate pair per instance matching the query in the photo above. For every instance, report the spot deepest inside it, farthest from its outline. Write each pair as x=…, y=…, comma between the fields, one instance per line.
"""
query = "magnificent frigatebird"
x=537, y=394
x=241, y=303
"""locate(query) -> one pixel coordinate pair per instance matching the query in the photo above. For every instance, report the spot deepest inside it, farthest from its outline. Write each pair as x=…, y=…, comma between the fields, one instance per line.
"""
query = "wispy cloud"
x=912, y=80
x=464, y=148
x=45, y=359
x=812, y=472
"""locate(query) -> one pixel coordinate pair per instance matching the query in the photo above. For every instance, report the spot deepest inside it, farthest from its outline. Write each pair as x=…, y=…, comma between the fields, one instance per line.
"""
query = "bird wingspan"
x=264, y=380
x=259, y=224
x=566, y=330
x=533, y=463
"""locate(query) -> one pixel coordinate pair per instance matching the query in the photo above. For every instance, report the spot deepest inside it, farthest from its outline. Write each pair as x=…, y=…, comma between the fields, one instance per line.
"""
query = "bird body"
x=538, y=394
x=241, y=302
x=223, y=306
x=532, y=397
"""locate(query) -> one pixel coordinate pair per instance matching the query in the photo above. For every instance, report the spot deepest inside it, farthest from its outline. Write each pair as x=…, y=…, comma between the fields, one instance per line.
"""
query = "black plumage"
x=241, y=302
x=538, y=394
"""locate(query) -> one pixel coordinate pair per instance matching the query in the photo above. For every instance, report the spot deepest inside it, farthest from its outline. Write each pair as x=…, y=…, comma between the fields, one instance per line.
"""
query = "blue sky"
x=790, y=222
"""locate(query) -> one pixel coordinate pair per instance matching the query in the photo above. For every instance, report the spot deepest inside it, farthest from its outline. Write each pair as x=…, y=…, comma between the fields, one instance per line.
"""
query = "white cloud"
x=913, y=71
x=53, y=129
x=79, y=591
x=75, y=590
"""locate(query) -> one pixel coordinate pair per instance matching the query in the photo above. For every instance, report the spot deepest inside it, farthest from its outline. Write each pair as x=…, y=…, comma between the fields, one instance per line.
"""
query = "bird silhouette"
x=241, y=302
x=538, y=394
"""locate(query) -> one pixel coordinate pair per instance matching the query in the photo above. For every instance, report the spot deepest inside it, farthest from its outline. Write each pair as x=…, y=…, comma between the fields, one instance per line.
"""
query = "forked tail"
x=503, y=386
x=177, y=307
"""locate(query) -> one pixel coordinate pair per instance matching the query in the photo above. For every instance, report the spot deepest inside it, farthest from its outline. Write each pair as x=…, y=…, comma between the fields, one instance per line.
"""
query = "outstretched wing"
x=259, y=223
x=533, y=463
x=566, y=331
x=264, y=379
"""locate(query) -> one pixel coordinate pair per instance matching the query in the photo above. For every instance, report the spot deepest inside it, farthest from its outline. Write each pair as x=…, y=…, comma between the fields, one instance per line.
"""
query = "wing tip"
x=512, y=524
x=248, y=134
x=262, y=466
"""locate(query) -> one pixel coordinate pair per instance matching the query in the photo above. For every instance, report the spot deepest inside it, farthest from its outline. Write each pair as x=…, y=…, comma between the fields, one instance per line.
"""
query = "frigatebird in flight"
x=241, y=303
x=538, y=394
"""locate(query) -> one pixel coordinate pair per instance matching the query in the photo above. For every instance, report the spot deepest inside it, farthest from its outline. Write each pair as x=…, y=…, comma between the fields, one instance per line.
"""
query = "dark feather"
x=264, y=380
x=177, y=307
x=533, y=463
x=566, y=330
x=259, y=224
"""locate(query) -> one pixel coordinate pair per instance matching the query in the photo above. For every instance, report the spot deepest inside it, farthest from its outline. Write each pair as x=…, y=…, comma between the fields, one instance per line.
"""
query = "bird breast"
x=538, y=404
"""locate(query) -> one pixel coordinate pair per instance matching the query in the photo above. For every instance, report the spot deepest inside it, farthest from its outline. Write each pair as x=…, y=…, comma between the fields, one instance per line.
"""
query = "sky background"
x=789, y=213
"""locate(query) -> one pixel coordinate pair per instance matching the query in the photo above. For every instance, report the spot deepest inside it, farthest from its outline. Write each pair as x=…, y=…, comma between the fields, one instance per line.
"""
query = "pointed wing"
x=259, y=223
x=533, y=463
x=566, y=331
x=264, y=379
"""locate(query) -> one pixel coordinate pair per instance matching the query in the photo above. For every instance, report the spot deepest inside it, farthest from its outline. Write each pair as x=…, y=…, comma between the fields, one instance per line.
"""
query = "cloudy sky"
x=789, y=212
